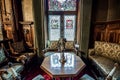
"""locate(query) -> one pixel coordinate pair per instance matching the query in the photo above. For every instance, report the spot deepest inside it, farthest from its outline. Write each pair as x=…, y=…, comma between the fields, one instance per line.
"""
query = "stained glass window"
x=62, y=5
x=69, y=27
x=61, y=19
x=54, y=27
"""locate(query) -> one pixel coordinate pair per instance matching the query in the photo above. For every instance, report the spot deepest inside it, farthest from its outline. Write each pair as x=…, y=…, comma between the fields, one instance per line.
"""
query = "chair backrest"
x=16, y=47
x=53, y=45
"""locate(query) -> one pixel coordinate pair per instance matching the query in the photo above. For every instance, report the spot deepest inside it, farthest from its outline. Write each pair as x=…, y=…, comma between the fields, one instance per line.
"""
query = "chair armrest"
x=110, y=75
x=22, y=59
x=45, y=50
x=91, y=52
x=78, y=52
x=3, y=71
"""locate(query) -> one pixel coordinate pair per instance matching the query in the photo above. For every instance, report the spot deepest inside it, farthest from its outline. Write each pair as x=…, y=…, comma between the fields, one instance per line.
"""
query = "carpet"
x=37, y=70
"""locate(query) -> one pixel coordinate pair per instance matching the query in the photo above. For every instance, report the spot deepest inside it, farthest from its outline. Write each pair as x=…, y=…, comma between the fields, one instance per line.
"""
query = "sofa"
x=53, y=46
x=103, y=57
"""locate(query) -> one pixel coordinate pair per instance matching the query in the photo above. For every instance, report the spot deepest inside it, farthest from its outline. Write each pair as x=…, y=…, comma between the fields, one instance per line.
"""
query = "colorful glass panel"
x=54, y=27
x=69, y=27
x=62, y=5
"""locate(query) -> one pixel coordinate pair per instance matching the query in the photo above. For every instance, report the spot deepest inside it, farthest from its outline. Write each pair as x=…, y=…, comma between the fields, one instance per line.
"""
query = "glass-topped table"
x=71, y=68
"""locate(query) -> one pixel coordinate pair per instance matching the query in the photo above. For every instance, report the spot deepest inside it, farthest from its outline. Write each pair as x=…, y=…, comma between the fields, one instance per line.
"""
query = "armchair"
x=5, y=71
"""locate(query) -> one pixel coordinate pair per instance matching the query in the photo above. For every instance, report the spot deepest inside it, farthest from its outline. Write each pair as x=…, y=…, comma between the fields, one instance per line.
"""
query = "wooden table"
x=71, y=68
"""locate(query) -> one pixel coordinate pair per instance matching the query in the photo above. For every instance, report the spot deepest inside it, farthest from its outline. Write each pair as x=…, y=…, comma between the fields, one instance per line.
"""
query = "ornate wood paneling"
x=28, y=32
x=107, y=31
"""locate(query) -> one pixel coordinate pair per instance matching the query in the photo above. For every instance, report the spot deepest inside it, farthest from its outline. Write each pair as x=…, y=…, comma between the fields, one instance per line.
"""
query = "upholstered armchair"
x=8, y=72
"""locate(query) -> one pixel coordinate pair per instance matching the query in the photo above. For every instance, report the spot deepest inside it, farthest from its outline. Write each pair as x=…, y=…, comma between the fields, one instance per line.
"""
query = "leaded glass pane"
x=69, y=27
x=54, y=27
x=62, y=5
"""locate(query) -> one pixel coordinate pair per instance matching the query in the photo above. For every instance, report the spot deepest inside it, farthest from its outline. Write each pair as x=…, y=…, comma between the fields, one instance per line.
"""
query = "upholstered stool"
x=9, y=75
x=38, y=77
x=86, y=77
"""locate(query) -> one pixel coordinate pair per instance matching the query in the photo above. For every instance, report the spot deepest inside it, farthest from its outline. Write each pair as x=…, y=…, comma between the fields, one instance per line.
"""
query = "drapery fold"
x=39, y=18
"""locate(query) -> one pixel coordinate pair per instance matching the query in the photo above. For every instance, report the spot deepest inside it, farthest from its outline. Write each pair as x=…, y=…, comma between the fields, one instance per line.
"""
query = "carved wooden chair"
x=7, y=72
x=20, y=52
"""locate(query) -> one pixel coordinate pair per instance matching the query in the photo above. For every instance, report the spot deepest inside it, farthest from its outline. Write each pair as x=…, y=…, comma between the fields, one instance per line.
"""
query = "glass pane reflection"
x=54, y=60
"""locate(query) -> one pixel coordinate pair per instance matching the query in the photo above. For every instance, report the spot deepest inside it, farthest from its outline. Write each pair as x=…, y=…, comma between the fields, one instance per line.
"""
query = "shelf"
x=26, y=22
x=7, y=23
x=107, y=22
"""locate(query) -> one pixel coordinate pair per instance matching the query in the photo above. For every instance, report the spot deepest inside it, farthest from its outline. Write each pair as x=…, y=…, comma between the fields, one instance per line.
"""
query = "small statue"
x=61, y=44
x=61, y=47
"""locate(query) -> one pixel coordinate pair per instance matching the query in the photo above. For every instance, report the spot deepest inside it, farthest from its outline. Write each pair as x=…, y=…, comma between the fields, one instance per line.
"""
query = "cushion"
x=69, y=45
x=53, y=45
x=38, y=77
x=86, y=77
x=18, y=46
x=105, y=65
x=112, y=51
x=2, y=55
x=109, y=50
x=9, y=75
x=99, y=48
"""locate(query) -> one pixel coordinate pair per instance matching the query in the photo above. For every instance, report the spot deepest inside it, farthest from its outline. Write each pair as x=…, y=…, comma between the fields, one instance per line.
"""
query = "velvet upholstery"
x=104, y=56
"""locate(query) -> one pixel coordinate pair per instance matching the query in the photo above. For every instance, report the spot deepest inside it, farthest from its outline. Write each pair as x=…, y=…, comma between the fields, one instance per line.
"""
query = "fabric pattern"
x=105, y=55
x=2, y=55
x=109, y=50
x=99, y=48
x=18, y=46
x=53, y=45
x=69, y=45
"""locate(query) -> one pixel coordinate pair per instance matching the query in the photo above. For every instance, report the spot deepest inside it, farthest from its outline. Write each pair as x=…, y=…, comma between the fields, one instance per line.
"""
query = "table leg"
x=54, y=79
x=62, y=78
x=71, y=78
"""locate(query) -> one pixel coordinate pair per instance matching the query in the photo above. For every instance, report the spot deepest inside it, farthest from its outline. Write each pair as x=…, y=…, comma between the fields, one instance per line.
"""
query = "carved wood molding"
x=107, y=22
x=26, y=22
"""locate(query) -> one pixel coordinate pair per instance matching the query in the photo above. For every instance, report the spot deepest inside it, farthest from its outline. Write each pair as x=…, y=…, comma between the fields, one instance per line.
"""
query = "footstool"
x=86, y=77
x=38, y=77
